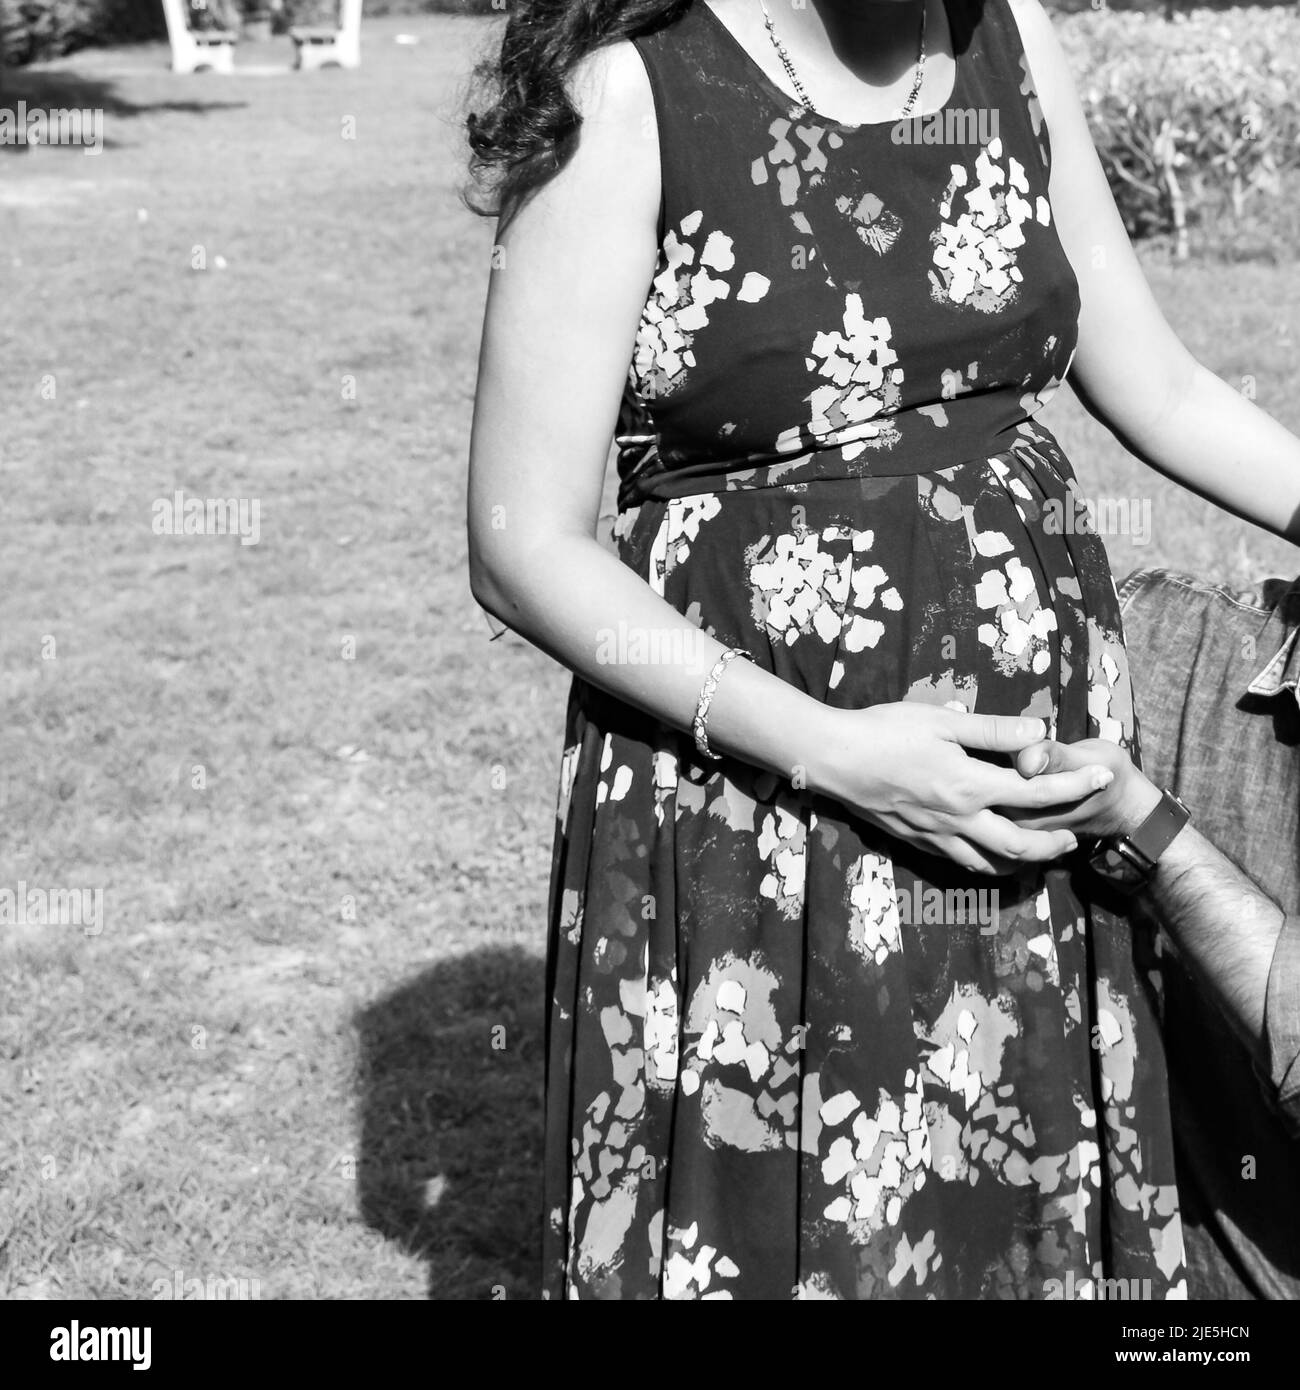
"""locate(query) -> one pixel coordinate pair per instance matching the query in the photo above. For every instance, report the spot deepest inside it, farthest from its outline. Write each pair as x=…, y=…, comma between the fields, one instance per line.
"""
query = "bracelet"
x=707, y=691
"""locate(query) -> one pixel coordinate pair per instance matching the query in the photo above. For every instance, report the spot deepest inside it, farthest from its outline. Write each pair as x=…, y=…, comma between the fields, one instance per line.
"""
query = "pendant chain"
x=798, y=86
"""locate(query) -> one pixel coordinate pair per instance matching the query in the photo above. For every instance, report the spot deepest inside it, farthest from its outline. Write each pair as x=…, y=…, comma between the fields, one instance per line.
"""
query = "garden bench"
x=318, y=48
x=193, y=49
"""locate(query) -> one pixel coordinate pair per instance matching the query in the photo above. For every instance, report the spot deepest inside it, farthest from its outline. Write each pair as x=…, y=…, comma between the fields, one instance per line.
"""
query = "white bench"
x=319, y=48
x=193, y=49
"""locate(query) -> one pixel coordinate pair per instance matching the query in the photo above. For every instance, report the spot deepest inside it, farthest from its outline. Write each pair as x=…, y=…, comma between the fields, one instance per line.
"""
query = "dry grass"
x=237, y=1078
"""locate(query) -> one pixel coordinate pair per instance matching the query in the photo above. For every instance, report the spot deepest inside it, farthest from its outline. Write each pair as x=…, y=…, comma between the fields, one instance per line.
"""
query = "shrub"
x=1194, y=119
x=31, y=30
x=38, y=28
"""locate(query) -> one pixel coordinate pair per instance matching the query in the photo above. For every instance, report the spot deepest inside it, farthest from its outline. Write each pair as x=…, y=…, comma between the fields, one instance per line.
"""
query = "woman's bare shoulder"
x=611, y=84
x=613, y=169
x=605, y=195
x=1042, y=47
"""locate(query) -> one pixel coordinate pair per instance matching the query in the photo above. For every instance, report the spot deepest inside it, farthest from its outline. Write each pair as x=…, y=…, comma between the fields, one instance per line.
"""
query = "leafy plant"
x=1194, y=119
x=31, y=30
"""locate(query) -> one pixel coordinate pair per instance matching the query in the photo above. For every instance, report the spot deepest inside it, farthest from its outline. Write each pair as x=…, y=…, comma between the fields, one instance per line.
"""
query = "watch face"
x=1118, y=867
x=1129, y=861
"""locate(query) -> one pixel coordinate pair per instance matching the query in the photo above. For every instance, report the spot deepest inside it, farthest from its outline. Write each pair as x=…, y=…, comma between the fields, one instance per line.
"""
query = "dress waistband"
x=645, y=478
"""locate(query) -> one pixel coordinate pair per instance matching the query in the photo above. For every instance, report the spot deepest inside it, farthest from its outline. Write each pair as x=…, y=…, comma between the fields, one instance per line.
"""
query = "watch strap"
x=1128, y=862
x=1158, y=831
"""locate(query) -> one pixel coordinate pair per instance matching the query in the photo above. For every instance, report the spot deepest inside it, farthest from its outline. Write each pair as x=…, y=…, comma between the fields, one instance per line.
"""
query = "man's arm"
x=1237, y=941
x=1225, y=927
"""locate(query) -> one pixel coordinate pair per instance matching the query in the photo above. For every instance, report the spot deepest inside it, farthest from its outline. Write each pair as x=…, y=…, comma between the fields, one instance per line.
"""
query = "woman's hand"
x=905, y=768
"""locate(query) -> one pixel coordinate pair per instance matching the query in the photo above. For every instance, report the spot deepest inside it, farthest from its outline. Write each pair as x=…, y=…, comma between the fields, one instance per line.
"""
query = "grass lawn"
x=306, y=1047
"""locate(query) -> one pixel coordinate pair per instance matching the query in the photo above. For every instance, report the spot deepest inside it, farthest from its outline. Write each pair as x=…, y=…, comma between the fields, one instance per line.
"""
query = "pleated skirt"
x=789, y=1056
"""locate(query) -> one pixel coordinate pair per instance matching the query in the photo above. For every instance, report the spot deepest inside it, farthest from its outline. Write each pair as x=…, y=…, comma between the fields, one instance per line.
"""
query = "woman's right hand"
x=905, y=767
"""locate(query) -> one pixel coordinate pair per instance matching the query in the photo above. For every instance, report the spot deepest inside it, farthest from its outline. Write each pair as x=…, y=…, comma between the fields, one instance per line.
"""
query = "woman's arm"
x=575, y=265
x=1130, y=370
x=573, y=268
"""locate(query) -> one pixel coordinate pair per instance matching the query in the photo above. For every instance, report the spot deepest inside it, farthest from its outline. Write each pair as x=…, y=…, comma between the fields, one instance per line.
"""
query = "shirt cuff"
x=1282, y=1022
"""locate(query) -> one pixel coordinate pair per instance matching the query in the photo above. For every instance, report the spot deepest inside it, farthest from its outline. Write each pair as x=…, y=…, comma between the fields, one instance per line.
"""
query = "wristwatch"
x=1128, y=862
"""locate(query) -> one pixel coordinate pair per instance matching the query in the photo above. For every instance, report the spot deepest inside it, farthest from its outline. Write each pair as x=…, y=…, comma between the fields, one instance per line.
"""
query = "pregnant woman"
x=832, y=1011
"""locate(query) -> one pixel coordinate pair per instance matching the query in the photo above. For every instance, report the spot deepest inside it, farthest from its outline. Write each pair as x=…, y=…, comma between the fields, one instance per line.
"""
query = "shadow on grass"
x=67, y=89
x=451, y=1122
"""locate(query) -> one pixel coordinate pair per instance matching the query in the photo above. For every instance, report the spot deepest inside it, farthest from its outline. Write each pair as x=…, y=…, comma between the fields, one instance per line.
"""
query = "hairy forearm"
x=1215, y=441
x=1224, y=926
x=584, y=607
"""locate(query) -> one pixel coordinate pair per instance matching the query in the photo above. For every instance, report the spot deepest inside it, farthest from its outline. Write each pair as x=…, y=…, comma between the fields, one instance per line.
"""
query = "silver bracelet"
x=707, y=691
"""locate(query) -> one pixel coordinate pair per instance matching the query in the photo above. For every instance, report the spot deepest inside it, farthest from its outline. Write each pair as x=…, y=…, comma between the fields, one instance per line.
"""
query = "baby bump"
x=956, y=587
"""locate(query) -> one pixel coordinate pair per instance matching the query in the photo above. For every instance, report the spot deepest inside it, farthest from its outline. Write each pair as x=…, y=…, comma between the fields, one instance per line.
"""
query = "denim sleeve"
x=1282, y=1023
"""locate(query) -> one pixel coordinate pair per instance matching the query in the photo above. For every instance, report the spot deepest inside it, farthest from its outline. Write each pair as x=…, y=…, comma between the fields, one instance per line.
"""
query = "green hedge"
x=1163, y=8
x=1197, y=121
x=34, y=29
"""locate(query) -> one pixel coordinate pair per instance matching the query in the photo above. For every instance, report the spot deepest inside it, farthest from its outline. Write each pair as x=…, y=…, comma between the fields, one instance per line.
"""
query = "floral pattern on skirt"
x=790, y=1056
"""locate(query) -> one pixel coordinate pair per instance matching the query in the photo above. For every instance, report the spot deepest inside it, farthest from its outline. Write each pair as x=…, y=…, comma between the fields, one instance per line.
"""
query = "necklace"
x=798, y=86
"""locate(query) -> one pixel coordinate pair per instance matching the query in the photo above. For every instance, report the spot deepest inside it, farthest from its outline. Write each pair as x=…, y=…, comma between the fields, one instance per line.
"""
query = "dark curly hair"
x=528, y=128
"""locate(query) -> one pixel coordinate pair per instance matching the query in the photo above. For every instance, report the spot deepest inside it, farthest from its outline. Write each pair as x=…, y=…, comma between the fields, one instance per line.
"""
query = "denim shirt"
x=1217, y=679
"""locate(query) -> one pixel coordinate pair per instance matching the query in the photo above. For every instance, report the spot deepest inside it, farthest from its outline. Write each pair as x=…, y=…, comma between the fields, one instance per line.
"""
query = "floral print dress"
x=788, y=1055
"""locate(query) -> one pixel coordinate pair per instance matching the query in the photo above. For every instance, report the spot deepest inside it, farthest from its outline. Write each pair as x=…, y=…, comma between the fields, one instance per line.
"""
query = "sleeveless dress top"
x=787, y=1054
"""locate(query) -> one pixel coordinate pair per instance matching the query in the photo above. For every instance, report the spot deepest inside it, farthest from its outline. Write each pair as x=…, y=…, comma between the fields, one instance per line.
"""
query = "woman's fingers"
x=1066, y=819
x=990, y=844
x=1005, y=787
x=997, y=837
x=966, y=855
x=994, y=733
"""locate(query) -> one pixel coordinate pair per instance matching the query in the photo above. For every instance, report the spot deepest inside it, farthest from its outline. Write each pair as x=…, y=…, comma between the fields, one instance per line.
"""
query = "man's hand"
x=1222, y=923
x=1117, y=809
